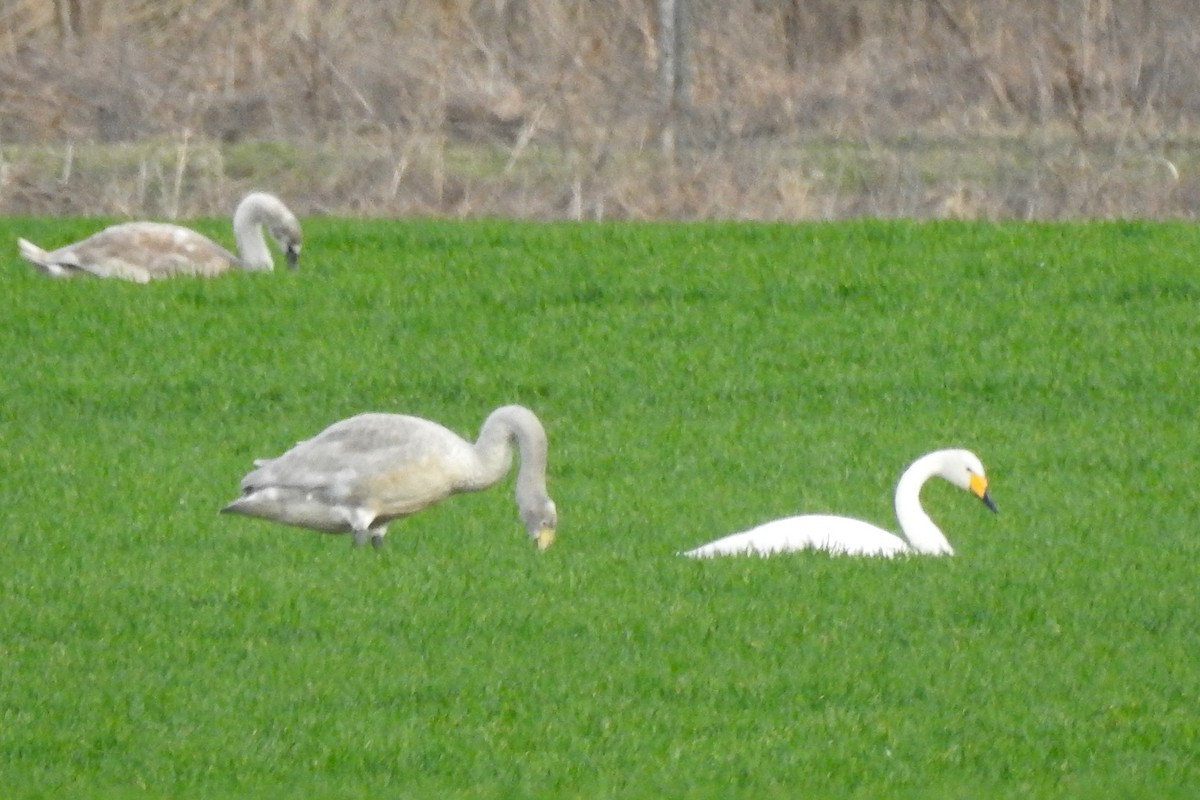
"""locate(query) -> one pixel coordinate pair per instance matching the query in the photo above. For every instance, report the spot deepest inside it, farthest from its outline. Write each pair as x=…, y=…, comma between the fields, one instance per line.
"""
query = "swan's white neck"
x=248, y=232
x=922, y=534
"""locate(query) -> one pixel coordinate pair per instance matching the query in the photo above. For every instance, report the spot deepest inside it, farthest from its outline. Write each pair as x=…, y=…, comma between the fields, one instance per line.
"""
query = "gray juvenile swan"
x=361, y=473
x=144, y=251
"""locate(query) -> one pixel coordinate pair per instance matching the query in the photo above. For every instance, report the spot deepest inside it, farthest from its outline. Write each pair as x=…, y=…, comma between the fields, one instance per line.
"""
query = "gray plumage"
x=359, y=474
x=144, y=251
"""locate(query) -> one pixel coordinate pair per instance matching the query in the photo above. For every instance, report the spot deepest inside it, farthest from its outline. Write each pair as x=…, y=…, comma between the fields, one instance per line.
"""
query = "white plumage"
x=848, y=536
x=359, y=474
x=144, y=251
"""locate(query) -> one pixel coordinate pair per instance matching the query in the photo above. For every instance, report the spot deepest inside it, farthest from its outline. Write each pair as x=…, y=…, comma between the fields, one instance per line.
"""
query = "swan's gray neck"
x=248, y=221
x=922, y=534
x=494, y=447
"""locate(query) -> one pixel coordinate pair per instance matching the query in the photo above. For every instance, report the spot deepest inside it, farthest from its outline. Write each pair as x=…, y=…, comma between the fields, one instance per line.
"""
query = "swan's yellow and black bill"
x=545, y=538
x=979, y=488
x=292, y=255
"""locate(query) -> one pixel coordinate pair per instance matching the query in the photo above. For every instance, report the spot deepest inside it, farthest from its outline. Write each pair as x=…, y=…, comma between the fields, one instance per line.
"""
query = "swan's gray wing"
x=141, y=251
x=390, y=463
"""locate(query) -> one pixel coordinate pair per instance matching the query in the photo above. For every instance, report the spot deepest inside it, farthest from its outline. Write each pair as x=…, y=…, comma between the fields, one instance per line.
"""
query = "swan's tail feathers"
x=32, y=253
x=41, y=259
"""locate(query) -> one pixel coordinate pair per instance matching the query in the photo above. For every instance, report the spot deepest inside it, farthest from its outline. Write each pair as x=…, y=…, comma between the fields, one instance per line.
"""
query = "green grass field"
x=695, y=380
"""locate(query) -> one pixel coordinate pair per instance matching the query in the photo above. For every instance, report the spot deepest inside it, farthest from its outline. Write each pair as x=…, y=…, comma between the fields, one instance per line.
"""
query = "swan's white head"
x=964, y=469
x=263, y=208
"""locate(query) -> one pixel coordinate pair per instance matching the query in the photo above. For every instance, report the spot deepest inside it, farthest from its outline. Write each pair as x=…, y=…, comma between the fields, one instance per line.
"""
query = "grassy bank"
x=694, y=380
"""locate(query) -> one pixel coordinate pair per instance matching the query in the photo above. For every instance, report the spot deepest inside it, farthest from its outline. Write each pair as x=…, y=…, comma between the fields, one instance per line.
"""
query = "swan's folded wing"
x=141, y=251
x=394, y=465
x=831, y=534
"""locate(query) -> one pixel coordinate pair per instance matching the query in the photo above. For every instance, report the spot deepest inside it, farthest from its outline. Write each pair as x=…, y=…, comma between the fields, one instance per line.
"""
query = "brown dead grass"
x=818, y=109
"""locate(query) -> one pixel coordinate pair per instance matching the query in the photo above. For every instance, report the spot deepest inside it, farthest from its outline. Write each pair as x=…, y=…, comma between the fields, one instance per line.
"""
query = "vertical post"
x=683, y=52
x=66, y=14
x=251, y=17
x=446, y=24
x=673, y=79
x=792, y=28
x=316, y=83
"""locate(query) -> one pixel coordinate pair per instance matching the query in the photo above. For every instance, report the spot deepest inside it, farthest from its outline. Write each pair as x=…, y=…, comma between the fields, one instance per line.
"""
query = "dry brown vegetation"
x=794, y=109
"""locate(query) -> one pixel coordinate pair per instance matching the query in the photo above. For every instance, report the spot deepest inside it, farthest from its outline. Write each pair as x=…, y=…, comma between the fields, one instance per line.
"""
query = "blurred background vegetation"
x=575, y=109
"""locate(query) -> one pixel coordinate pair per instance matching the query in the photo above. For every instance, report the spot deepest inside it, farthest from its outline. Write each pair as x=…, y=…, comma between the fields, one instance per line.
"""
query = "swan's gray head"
x=285, y=229
x=964, y=469
x=540, y=518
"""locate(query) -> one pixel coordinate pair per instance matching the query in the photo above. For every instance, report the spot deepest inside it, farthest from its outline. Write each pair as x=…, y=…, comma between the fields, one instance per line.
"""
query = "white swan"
x=359, y=474
x=847, y=536
x=143, y=251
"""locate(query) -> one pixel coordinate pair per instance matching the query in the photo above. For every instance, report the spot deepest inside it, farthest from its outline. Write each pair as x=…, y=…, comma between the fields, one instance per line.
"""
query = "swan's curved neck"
x=494, y=448
x=922, y=534
x=248, y=232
